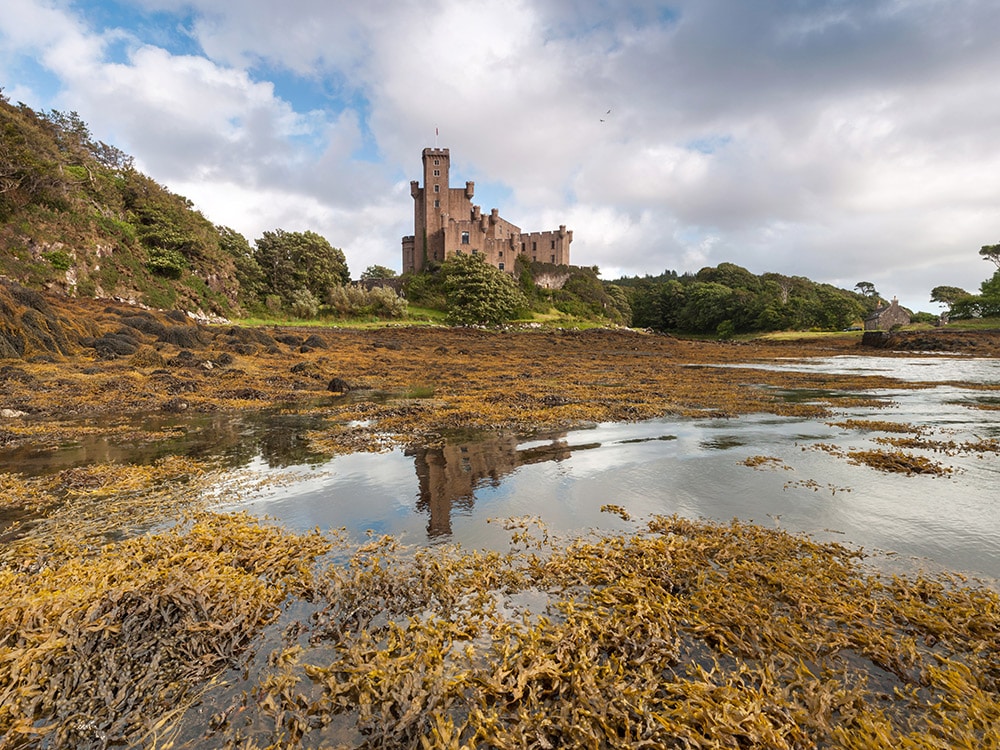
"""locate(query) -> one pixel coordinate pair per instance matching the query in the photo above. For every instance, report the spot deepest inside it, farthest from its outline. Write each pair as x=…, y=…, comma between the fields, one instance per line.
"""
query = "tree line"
x=727, y=299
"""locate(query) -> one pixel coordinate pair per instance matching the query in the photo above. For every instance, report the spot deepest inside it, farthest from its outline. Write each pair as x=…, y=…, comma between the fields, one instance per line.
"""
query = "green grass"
x=793, y=335
x=974, y=324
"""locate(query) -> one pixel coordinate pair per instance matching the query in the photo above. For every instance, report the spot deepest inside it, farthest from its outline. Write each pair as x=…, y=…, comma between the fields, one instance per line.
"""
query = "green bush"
x=167, y=263
x=424, y=290
x=303, y=304
x=479, y=294
x=725, y=330
x=355, y=301
x=60, y=260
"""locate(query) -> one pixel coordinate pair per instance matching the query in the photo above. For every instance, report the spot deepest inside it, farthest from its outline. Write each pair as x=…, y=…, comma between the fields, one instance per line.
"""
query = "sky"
x=840, y=140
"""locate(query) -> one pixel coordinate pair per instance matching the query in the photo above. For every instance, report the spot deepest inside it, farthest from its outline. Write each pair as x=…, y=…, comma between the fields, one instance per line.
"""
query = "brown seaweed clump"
x=683, y=635
x=111, y=647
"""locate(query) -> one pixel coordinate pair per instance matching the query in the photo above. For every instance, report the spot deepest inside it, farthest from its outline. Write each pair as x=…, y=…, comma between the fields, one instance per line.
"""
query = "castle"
x=446, y=223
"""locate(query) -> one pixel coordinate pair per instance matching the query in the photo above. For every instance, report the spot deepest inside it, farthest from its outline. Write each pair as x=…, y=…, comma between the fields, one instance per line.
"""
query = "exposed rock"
x=339, y=385
x=315, y=342
x=112, y=345
x=876, y=339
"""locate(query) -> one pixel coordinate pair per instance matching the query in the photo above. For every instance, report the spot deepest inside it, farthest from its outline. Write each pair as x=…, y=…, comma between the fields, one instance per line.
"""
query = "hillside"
x=77, y=218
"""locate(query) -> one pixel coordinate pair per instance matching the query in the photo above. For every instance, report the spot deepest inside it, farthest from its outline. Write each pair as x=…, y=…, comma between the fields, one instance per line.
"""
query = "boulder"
x=339, y=385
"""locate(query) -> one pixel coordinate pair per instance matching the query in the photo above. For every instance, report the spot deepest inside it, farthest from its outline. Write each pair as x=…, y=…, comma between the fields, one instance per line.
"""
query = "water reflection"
x=276, y=437
x=449, y=476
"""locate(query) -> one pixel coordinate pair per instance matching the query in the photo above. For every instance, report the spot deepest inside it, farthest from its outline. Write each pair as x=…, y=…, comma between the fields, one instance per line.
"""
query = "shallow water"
x=693, y=468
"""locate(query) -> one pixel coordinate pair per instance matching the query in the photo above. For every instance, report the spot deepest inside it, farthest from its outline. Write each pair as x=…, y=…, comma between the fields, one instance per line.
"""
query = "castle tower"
x=431, y=212
x=433, y=205
x=445, y=222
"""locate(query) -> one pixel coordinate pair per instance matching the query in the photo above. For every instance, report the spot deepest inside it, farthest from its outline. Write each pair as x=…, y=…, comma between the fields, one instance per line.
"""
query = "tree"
x=377, y=272
x=731, y=275
x=947, y=295
x=991, y=253
x=478, y=293
x=248, y=272
x=300, y=260
x=867, y=289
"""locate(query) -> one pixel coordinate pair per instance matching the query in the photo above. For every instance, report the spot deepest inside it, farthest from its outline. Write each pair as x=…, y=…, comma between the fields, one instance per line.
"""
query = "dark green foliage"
x=248, y=271
x=166, y=262
x=924, y=317
x=867, y=289
x=584, y=296
x=479, y=294
x=948, y=295
x=357, y=302
x=290, y=261
x=729, y=300
x=303, y=304
x=425, y=289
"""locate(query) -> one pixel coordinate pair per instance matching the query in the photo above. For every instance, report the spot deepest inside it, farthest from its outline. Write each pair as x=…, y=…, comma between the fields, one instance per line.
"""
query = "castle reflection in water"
x=450, y=475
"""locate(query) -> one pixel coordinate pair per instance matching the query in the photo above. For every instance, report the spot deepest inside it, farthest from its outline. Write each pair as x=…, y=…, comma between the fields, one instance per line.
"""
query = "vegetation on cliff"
x=77, y=217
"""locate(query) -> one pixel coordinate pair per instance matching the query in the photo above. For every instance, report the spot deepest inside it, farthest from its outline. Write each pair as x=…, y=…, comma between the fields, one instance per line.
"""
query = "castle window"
x=534, y=246
x=465, y=238
x=522, y=247
x=500, y=255
x=437, y=188
x=437, y=172
x=553, y=244
x=553, y=259
x=501, y=266
x=437, y=203
x=475, y=252
x=436, y=162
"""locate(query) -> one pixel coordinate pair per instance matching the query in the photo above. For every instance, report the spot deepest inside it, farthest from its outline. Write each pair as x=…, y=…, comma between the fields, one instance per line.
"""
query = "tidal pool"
x=775, y=471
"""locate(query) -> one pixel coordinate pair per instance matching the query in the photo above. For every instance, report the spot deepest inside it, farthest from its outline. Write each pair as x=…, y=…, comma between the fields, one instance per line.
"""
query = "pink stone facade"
x=446, y=222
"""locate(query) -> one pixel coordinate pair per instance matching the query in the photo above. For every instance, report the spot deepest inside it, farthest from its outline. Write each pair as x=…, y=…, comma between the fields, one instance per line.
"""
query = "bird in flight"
x=605, y=115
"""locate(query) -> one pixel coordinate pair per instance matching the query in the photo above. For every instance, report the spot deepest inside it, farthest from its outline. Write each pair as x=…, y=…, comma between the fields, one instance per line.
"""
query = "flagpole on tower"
x=435, y=137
